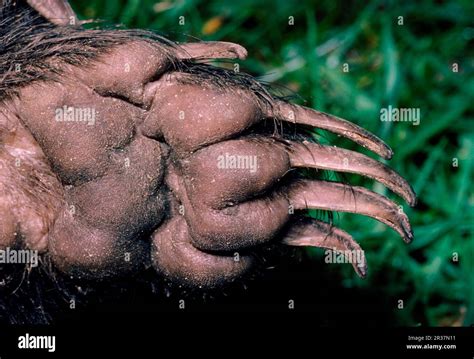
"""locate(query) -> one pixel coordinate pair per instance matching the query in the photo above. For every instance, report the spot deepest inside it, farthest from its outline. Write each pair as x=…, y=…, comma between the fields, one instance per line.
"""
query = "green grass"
x=407, y=65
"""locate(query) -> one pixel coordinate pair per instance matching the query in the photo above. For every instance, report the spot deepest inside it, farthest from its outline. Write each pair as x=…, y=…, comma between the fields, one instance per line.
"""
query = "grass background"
x=403, y=65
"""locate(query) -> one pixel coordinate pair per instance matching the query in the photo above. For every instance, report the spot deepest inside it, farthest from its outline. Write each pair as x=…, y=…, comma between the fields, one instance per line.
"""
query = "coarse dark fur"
x=33, y=49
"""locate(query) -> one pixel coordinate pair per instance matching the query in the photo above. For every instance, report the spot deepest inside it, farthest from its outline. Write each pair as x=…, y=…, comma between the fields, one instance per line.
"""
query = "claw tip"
x=408, y=238
x=241, y=52
x=388, y=154
x=362, y=272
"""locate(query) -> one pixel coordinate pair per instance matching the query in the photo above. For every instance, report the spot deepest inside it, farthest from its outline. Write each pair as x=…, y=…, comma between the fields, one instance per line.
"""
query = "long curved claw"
x=59, y=12
x=211, y=50
x=307, y=116
x=335, y=196
x=313, y=155
x=319, y=234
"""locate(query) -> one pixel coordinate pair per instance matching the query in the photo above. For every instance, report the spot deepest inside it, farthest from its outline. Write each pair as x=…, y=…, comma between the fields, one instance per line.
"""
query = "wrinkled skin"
x=142, y=186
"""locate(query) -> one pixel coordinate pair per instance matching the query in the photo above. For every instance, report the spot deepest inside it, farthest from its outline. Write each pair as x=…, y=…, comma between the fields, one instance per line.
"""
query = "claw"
x=59, y=12
x=337, y=159
x=343, y=198
x=323, y=235
x=306, y=116
x=211, y=50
